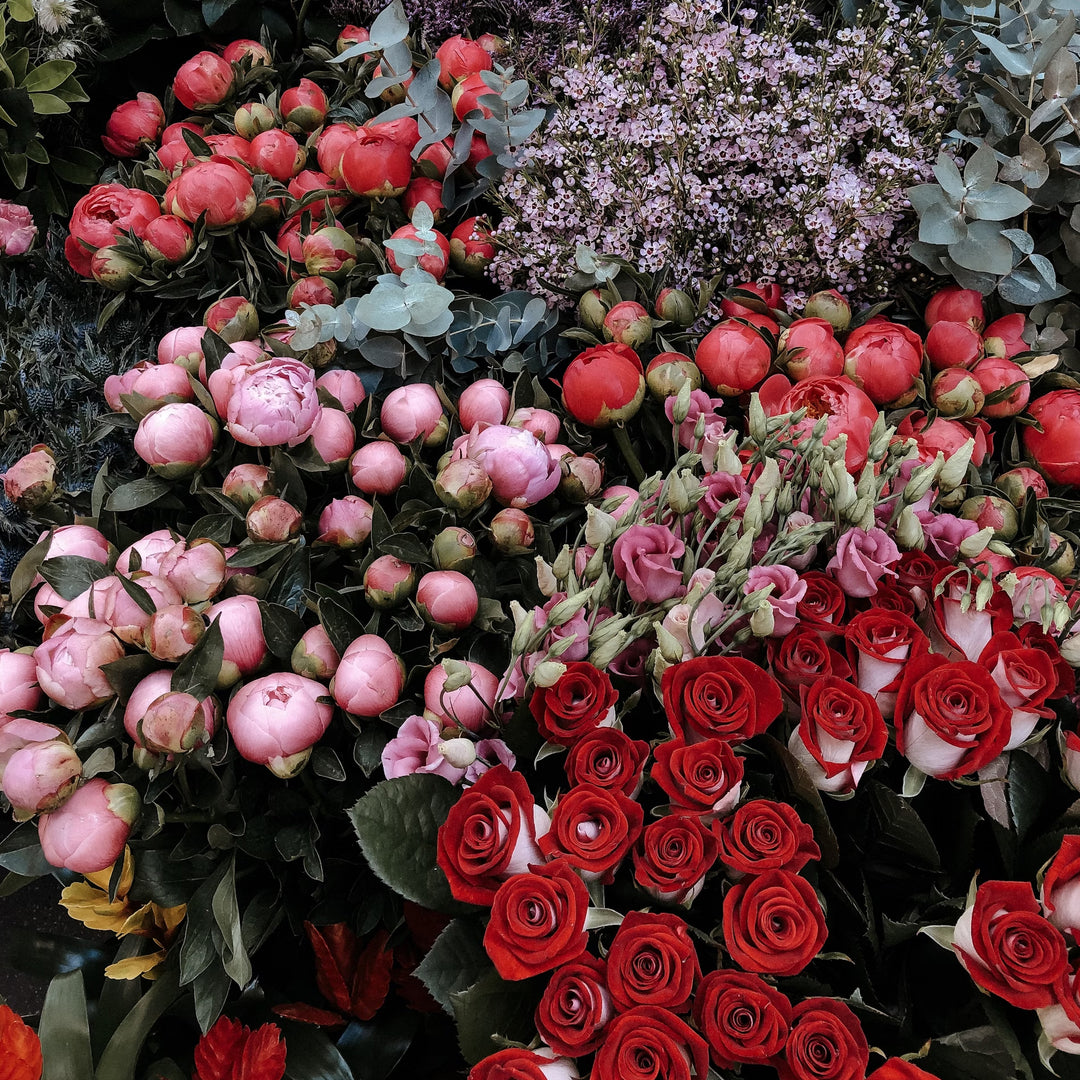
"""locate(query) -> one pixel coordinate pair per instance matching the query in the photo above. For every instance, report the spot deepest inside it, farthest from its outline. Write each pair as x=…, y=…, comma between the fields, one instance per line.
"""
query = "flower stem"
x=622, y=440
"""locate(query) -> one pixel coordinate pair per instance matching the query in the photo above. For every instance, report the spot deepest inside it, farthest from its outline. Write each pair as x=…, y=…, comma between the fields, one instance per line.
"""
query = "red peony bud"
x=733, y=357
x=204, y=81
x=604, y=385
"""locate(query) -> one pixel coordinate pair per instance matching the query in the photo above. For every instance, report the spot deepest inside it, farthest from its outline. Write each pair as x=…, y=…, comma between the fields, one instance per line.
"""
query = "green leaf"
x=341, y=625
x=65, y=1031
x=984, y=249
x=127, y=672
x=312, y=1056
x=49, y=105
x=211, y=991
x=941, y=224
x=405, y=546
x=1015, y=63
x=21, y=10
x=1026, y=790
x=122, y=1052
x=48, y=76
x=72, y=575
x=226, y=909
x=981, y=170
x=948, y=176
x=197, y=951
x=373, y=1048
x=397, y=824
x=197, y=674
x=137, y=494
x=998, y=202
x=455, y=962
x=492, y=1008
x=282, y=629
x=138, y=594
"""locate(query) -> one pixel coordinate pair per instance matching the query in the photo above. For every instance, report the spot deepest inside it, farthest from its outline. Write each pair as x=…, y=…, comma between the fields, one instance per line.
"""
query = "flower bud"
x=304, y=106
x=233, y=319
x=676, y=307
x=582, y=477
x=548, y=673
x=1016, y=483
x=253, y=118
x=668, y=372
x=453, y=549
x=173, y=632
x=545, y=579
x=314, y=655
x=922, y=479
x=345, y=522
x=990, y=511
x=830, y=306
x=603, y=654
x=447, y=600
x=976, y=544
x=471, y=249
x=460, y=753
x=378, y=468
x=592, y=309
x=88, y=832
x=30, y=483
x=369, y=678
x=599, y=528
x=762, y=620
x=512, y=532
x=628, y=323
x=114, y=268
x=168, y=239
x=909, y=531
x=388, y=582
x=414, y=411
x=995, y=376
x=40, y=776
x=463, y=485
x=203, y=81
x=956, y=392
x=272, y=521
x=954, y=472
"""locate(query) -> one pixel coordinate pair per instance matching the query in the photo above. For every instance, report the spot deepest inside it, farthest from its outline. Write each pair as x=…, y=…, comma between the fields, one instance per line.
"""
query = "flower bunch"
x=735, y=144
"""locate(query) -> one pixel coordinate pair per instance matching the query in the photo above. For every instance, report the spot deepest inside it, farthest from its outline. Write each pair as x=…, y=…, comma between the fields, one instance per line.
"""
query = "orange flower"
x=20, y=1050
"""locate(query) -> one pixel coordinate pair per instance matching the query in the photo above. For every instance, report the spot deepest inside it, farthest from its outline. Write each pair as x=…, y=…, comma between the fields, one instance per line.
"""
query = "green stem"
x=300, y=21
x=622, y=440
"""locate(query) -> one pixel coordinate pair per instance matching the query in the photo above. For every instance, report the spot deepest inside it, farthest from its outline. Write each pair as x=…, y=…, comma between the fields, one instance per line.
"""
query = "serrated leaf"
x=940, y=935
x=495, y=1009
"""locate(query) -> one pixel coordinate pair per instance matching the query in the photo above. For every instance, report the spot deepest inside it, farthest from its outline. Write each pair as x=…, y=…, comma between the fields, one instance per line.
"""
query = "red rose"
x=884, y=359
x=744, y=1019
x=608, y=758
x=652, y=961
x=899, y=1069
x=704, y=778
x=537, y=921
x=1032, y=636
x=801, y=657
x=826, y=1042
x=719, y=697
x=823, y=602
x=647, y=1043
x=916, y=570
x=101, y=216
x=879, y=644
x=673, y=857
x=1060, y=895
x=892, y=597
x=950, y=719
x=575, y=1007
x=582, y=699
x=1008, y=947
x=840, y=732
x=773, y=923
x=604, y=384
x=517, y=1063
x=594, y=829
x=765, y=835
x=1025, y=679
x=489, y=835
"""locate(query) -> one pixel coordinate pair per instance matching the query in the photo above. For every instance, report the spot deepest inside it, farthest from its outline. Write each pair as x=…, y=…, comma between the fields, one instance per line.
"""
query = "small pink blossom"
x=863, y=557
x=644, y=558
x=788, y=590
x=17, y=228
x=415, y=749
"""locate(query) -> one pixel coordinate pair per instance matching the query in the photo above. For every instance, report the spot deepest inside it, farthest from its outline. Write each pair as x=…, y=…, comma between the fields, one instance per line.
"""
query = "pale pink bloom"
x=863, y=557
x=484, y=401
x=411, y=412
x=176, y=439
x=70, y=659
x=17, y=228
x=273, y=403
x=17, y=732
x=18, y=682
x=40, y=776
x=344, y=386
x=314, y=654
x=241, y=628
x=416, y=749
x=788, y=590
x=369, y=678
x=519, y=465
x=333, y=436
x=345, y=522
x=542, y=423
x=447, y=599
x=644, y=558
x=378, y=468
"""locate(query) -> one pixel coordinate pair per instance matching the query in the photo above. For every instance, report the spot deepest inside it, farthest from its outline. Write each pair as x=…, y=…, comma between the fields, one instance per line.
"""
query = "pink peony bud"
x=447, y=600
x=884, y=359
x=345, y=522
x=278, y=154
x=344, y=386
x=512, y=531
x=811, y=349
x=163, y=383
x=272, y=521
x=196, y=570
x=176, y=440
x=462, y=485
x=17, y=732
x=414, y=411
x=30, y=483
x=246, y=484
x=114, y=268
x=182, y=346
x=81, y=540
x=373, y=165
x=148, y=552
x=369, y=678
x=314, y=655
x=542, y=423
x=388, y=582
x=666, y=373
x=70, y=658
x=956, y=392
x=378, y=468
x=628, y=323
x=333, y=438
x=1016, y=483
x=253, y=118
x=241, y=628
x=329, y=251
x=88, y=832
x=204, y=81
x=453, y=548
x=582, y=478
x=484, y=401
x=274, y=403
x=40, y=776
x=243, y=48
x=173, y=632
x=164, y=721
x=134, y=125
x=425, y=190
x=18, y=682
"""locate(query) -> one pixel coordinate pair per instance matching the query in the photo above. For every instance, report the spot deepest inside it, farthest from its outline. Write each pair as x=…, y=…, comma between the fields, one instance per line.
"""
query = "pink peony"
x=472, y=705
x=369, y=678
x=18, y=682
x=70, y=659
x=273, y=403
x=89, y=831
x=17, y=228
x=241, y=627
x=522, y=471
x=40, y=776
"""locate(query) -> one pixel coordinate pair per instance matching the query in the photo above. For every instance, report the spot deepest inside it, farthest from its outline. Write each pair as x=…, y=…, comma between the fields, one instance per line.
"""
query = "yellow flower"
x=88, y=901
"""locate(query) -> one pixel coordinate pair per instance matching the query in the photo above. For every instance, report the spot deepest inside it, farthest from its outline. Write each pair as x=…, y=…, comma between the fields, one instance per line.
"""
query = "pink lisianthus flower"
x=863, y=557
x=17, y=228
x=788, y=590
x=644, y=558
x=417, y=748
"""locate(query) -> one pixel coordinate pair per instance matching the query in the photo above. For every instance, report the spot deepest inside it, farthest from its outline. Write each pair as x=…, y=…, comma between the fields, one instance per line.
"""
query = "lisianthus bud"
x=463, y=485
x=369, y=678
x=956, y=392
x=88, y=832
x=830, y=306
x=512, y=531
x=628, y=323
x=304, y=106
x=203, y=81
x=272, y=521
x=989, y=511
x=345, y=522
x=40, y=776
x=460, y=753
x=909, y=531
x=592, y=310
x=447, y=600
x=388, y=582
x=676, y=307
x=548, y=673
x=30, y=482
x=604, y=385
x=453, y=549
x=668, y=372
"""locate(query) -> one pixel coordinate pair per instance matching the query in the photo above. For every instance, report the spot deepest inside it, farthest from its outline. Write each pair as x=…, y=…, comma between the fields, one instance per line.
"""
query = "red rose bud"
x=232, y=318
x=1004, y=336
x=604, y=385
x=168, y=239
x=114, y=268
x=628, y=323
x=425, y=190
x=769, y=293
x=304, y=106
x=173, y=632
x=237, y=50
x=995, y=375
x=315, y=655
x=512, y=531
x=388, y=582
x=592, y=310
x=253, y=118
x=204, y=81
x=453, y=549
x=447, y=600
x=953, y=304
x=956, y=392
x=247, y=483
x=463, y=485
x=733, y=357
x=991, y=512
x=884, y=359
x=668, y=371
x=217, y=188
x=378, y=468
x=1016, y=483
x=1056, y=449
x=40, y=776
x=434, y=256
x=374, y=166
x=460, y=57
x=272, y=521
x=810, y=350
x=471, y=249
x=351, y=35
x=952, y=344
x=676, y=307
x=88, y=832
x=311, y=290
x=278, y=154
x=331, y=146
x=30, y=482
x=176, y=440
x=133, y=125
x=466, y=96
x=830, y=306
